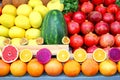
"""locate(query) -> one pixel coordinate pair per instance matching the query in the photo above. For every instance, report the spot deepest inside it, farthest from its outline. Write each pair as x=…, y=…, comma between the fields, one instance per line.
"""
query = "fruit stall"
x=60, y=39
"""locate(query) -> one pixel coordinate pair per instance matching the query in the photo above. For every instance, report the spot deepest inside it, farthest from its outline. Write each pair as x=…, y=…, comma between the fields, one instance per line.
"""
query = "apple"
x=9, y=9
x=7, y=20
x=4, y=31
x=16, y=32
x=41, y=9
x=32, y=33
x=22, y=22
x=24, y=9
x=35, y=19
x=34, y=3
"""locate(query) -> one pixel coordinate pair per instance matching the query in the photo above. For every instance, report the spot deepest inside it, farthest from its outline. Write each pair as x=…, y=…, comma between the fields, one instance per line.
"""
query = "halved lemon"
x=99, y=55
x=63, y=55
x=80, y=55
x=25, y=55
x=65, y=40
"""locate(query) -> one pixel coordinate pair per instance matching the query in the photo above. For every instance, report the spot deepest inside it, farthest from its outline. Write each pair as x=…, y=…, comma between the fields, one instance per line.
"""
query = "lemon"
x=25, y=55
x=34, y=3
x=32, y=33
x=24, y=9
x=7, y=20
x=16, y=32
x=9, y=9
x=42, y=10
x=15, y=41
x=80, y=55
x=99, y=55
x=4, y=31
x=22, y=22
x=2, y=41
x=35, y=19
x=63, y=55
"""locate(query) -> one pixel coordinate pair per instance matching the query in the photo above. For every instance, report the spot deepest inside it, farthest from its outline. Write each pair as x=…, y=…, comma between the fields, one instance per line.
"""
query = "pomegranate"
x=87, y=7
x=102, y=9
x=113, y=8
x=79, y=16
x=67, y=18
x=91, y=39
x=115, y=28
x=73, y=27
x=101, y=28
x=83, y=1
x=76, y=41
x=91, y=49
x=95, y=16
x=108, y=17
x=108, y=2
x=87, y=27
x=97, y=2
x=117, y=40
x=107, y=40
x=117, y=16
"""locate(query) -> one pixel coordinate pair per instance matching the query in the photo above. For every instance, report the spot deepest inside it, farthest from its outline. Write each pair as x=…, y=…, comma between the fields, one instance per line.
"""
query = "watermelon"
x=54, y=27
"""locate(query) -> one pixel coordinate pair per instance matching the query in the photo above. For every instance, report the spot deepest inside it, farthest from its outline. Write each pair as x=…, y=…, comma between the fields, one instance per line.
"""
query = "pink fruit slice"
x=9, y=54
x=43, y=55
x=114, y=54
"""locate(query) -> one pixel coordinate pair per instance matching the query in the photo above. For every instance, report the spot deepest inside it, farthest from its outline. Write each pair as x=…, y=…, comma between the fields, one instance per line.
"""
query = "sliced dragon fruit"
x=43, y=55
x=114, y=54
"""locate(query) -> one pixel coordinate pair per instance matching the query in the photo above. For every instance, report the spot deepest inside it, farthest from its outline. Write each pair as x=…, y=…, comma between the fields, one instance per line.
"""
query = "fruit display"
x=59, y=37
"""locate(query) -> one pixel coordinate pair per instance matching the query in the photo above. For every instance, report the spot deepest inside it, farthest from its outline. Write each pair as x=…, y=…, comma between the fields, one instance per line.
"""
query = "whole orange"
x=71, y=68
x=18, y=68
x=4, y=68
x=118, y=66
x=34, y=68
x=53, y=67
x=107, y=68
x=90, y=67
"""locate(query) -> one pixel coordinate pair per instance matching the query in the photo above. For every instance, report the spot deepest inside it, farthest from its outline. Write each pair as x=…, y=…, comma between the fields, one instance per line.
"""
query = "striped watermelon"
x=53, y=28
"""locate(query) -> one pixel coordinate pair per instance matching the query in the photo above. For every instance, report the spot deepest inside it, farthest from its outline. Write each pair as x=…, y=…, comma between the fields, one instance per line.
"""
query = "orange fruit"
x=80, y=55
x=4, y=68
x=99, y=55
x=63, y=55
x=90, y=67
x=18, y=68
x=53, y=67
x=34, y=68
x=107, y=68
x=25, y=55
x=71, y=68
x=118, y=66
x=65, y=40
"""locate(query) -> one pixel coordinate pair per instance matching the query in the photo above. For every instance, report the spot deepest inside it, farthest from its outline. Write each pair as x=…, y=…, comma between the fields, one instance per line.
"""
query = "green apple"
x=24, y=9
x=42, y=10
x=35, y=19
x=16, y=32
x=4, y=31
x=2, y=41
x=32, y=33
x=34, y=3
x=7, y=20
x=22, y=22
x=32, y=42
x=15, y=41
x=9, y=9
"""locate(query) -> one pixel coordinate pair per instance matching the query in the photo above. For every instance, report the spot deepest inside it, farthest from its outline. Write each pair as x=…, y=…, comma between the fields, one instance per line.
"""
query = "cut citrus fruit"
x=65, y=40
x=23, y=41
x=9, y=54
x=63, y=55
x=0, y=53
x=43, y=55
x=80, y=55
x=25, y=55
x=99, y=55
x=40, y=41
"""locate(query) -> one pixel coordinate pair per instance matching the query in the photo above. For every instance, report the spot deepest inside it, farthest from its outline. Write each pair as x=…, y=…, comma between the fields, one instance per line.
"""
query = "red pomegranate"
x=117, y=16
x=97, y=2
x=83, y=1
x=117, y=40
x=108, y=2
x=91, y=49
x=107, y=40
x=101, y=8
x=113, y=8
x=108, y=17
x=91, y=39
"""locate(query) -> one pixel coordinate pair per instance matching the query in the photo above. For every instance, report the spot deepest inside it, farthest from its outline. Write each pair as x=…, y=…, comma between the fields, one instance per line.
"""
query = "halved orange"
x=63, y=55
x=25, y=55
x=99, y=55
x=65, y=40
x=80, y=55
